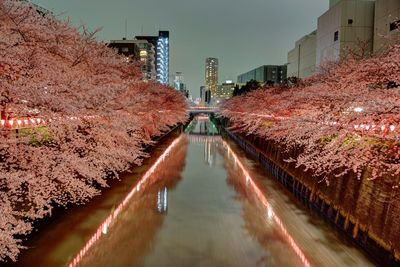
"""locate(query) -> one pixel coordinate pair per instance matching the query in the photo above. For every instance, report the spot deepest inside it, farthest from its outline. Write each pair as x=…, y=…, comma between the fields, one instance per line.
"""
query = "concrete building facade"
x=387, y=24
x=301, y=59
x=348, y=24
x=265, y=74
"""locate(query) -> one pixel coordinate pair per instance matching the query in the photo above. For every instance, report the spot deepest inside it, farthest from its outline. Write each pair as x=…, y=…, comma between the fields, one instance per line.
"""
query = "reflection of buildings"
x=162, y=200
x=131, y=214
x=210, y=151
x=205, y=133
x=200, y=139
x=203, y=127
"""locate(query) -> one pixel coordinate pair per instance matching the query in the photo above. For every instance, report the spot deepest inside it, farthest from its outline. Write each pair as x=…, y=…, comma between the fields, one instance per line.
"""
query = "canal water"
x=198, y=201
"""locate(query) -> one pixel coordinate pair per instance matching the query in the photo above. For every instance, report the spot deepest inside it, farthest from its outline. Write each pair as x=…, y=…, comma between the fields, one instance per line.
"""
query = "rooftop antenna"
x=126, y=28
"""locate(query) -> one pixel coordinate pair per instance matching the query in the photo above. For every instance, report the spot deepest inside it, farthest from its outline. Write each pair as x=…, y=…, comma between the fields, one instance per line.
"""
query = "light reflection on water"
x=203, y=203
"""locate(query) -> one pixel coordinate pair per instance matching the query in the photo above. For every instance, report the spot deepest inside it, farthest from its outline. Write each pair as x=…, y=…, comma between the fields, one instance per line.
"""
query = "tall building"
x=179, y=81
x=225, y=90
x=301, y=59
x=161, y=44
x=274, y=74
x=211, y=75
x=202, y=95
x=180, y=85
x=147, y=58
x=138, y=50
x=387, y=24
x=348, y=24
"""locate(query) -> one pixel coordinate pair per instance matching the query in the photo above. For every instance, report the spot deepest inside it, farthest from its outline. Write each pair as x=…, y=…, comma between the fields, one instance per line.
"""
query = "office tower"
x=211, y=75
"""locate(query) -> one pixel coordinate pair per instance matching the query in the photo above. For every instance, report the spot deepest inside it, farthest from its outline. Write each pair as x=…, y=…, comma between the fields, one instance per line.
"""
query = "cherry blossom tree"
x=91, y=112
x=345, y=119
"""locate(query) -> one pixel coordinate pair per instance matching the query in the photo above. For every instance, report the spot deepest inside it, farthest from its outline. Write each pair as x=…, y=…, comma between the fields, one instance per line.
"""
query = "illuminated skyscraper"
x=161, y=43
x=163, y=57
x=212, y=75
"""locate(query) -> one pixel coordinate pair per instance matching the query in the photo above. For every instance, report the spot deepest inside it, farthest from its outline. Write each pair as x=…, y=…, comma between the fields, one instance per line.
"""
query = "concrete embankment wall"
x=367, y=212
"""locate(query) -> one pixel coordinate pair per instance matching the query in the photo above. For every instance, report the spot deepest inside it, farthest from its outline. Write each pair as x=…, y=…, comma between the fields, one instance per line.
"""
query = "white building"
x=301, y=59
x=348, y=24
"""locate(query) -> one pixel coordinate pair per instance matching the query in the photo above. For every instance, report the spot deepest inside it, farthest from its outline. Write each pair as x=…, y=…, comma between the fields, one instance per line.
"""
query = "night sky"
x=242, y=34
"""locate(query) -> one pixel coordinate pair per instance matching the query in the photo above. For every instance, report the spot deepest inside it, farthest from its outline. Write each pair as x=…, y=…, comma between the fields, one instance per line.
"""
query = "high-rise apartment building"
x=211, y=75
x=161, y=44
x=138, y=50
x=147, y=58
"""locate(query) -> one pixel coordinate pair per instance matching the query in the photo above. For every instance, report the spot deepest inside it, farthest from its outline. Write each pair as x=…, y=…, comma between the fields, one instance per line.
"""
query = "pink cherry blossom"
x=91, y=112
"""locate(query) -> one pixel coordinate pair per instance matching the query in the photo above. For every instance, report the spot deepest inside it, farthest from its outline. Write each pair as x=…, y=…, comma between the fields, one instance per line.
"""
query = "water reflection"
x=200, y=204
x=162, y=200
x=129, y=240
x=260, y=219
x=272, y=219
x=202, y=125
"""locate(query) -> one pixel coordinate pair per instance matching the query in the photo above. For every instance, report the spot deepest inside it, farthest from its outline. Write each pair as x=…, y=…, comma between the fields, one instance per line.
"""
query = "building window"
x=336, y=36
x=125, y=49
x=395, y=25
x=350, y=21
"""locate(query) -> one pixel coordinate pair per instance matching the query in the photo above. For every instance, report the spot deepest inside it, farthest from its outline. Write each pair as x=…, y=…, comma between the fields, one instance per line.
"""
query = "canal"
x=198, y=201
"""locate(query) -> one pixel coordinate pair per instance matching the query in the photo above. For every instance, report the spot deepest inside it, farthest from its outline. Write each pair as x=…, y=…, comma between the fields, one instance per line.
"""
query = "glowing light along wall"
x=104, y=227
x=163, y=57
x=384, y=128
x=269, y=211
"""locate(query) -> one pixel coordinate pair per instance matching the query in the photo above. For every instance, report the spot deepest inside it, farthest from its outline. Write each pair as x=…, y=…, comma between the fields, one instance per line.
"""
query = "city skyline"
x=239, y=44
